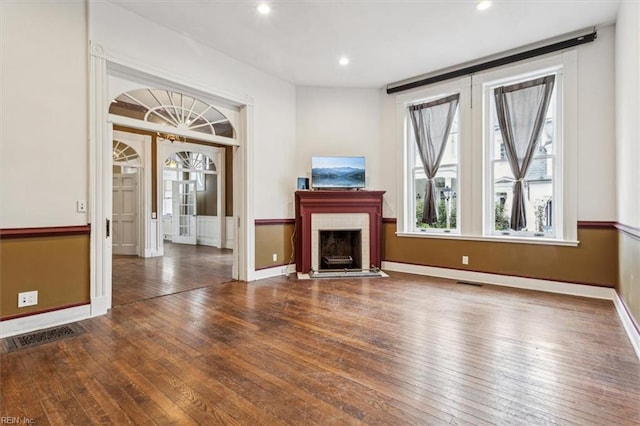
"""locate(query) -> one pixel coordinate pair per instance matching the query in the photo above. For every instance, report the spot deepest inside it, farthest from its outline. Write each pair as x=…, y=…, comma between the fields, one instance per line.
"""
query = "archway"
x=109, y=80
x=188, y=181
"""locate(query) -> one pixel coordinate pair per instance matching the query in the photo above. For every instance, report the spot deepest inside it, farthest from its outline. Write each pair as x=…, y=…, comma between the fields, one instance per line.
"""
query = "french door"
x=184, y=211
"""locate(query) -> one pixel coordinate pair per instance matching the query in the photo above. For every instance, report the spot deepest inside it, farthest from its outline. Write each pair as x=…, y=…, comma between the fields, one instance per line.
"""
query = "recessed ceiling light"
x=264, y=8
x=483, y=5
x=344, y=61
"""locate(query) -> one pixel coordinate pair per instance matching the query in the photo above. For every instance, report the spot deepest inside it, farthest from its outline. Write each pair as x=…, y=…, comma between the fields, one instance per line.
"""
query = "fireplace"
x=340, y=249
x=350, y=223
x=344, y=228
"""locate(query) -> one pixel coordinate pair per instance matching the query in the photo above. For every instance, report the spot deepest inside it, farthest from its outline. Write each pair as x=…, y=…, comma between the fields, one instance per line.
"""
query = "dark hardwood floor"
x=183, y=267
x=380, y=351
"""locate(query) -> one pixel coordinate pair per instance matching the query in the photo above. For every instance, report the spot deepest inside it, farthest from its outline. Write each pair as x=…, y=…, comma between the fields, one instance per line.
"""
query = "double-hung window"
x=493, y=156
x=523, y=142
x=432, y=132
x=435, y=163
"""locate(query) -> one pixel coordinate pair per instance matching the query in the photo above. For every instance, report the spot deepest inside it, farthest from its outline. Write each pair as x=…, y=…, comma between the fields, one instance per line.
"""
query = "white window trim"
x=489, y=161
x=472, y=175
x=406, y=185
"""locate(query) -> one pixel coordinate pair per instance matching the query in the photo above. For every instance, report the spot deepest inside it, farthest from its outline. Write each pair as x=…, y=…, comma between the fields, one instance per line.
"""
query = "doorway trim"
x=100, y=159
x=142, y=145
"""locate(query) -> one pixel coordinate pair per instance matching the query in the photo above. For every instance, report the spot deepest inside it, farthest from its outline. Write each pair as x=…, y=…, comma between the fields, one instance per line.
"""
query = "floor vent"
x=469, y=283
x=37, y=338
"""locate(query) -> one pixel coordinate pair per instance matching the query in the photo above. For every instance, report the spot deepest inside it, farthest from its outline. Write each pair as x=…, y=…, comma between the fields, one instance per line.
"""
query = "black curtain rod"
x=576, y=41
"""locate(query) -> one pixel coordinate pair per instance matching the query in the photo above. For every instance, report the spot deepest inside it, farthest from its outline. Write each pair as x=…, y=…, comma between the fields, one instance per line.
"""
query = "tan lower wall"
x=629, y=285
x=56, y=266
x=594, y=261
x=273, y=238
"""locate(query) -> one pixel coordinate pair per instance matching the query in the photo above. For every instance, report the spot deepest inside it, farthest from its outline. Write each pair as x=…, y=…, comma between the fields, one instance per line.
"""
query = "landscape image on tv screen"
x=338, y=172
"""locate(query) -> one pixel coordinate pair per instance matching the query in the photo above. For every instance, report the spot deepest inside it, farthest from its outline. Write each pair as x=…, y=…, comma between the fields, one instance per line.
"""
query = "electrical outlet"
x=275, y=257
x=465, y=260
x=27, y=298
x=81, y=206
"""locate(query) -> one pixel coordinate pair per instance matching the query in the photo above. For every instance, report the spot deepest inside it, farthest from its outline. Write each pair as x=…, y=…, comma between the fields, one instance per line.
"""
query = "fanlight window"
x=187, y=160
x=174, y=110
x=123, y=153
x=125, y=159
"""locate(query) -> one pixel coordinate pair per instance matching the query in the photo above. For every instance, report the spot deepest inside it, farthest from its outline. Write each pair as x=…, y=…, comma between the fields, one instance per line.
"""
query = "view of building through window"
x=446, y=182
x=538, y=182
x=543, y=207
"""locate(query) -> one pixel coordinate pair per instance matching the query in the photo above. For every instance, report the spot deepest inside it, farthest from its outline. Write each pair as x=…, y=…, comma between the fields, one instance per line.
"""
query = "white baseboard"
x=208, y=241
x=528, y=284
x=628, y=324
x=100, y=305
x=42, y=321
x=273, y=272
x=152, y=253
x=505, y=280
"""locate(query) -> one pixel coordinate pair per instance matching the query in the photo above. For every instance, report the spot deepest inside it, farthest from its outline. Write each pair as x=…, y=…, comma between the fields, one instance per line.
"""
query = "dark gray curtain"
x=521, y=109
x=431, y=126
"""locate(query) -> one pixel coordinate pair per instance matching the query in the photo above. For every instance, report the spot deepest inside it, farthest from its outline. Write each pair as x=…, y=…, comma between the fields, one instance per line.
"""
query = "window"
x=173, y=110
x=536, y=159
x=475, y=179
x=432, y=145
x=125, y=159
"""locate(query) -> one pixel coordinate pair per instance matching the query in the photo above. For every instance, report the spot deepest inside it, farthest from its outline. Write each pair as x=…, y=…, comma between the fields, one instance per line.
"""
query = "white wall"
x=596, y=132
x=44, y=114
x=339, y=122
x=596, y=128
x=628, y=112
x=391, y=149
x=137, y=42
x=43, y=139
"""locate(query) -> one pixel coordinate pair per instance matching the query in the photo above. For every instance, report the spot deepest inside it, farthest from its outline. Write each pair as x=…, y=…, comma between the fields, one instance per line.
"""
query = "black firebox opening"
x=341, y=249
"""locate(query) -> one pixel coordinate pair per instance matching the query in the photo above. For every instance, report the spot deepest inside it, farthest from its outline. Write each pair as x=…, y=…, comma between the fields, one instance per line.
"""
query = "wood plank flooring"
x=183, y=267
x=380, y=351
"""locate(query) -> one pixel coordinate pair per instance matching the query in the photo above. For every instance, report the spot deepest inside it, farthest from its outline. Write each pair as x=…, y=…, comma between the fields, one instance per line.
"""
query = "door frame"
x=142, y=145
x=101, y=67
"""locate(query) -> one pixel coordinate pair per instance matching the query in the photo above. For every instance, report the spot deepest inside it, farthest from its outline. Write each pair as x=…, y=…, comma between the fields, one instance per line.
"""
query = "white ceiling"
x=385, y=40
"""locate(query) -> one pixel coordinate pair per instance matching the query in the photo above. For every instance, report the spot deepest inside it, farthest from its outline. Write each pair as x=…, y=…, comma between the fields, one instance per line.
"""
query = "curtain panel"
x=521, y=112
x=431, y=123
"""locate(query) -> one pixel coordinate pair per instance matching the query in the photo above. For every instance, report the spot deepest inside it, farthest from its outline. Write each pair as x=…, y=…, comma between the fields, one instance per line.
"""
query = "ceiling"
x=385, y=40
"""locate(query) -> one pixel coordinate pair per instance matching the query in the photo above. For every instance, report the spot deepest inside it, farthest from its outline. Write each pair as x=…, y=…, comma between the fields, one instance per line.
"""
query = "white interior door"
x=184, y=212
x=125, y=214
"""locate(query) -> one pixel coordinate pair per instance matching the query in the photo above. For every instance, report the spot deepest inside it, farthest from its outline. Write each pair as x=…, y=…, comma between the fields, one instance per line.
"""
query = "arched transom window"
x=174, y=110
x=125, y=158
x=123, y=153
x=190, y=161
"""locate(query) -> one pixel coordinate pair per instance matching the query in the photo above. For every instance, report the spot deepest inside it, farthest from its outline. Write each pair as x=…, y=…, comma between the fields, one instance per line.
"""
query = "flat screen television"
x=337, y=172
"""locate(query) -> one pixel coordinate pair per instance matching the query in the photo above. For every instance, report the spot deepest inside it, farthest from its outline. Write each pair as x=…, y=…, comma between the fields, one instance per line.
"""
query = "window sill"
x=493, y=239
